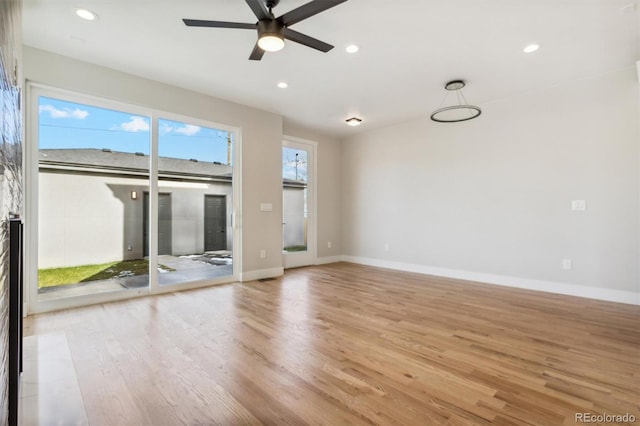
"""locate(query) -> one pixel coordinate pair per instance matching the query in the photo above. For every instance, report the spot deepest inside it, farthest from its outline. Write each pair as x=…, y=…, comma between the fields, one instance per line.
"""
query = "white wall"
x=493, y=195
x=82, y=221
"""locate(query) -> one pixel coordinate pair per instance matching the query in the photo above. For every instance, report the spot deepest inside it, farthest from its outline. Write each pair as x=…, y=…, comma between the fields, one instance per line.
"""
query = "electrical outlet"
x=129, y=247
x=329, y=244
x=386, y=246
x=566, y=264
x=578, y=205
x=263, y=254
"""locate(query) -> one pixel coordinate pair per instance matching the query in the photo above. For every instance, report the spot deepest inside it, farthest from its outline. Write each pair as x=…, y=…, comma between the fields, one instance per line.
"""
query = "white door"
x=298, y=202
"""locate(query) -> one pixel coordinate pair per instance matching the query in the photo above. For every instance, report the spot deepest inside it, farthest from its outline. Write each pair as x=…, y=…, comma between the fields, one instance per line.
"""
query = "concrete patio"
x=190, y=268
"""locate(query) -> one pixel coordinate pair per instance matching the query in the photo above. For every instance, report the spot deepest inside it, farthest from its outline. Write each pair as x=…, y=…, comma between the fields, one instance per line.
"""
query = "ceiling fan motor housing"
x=269, y=27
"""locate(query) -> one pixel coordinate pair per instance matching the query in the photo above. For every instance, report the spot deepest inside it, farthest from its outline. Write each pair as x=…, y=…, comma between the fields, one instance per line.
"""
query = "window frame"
x=308, y=257
x=31, y=208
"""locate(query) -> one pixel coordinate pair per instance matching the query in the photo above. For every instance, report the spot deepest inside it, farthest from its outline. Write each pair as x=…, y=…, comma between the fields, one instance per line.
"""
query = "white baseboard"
x=328, y=259
x=261, y=273
x=599, y=293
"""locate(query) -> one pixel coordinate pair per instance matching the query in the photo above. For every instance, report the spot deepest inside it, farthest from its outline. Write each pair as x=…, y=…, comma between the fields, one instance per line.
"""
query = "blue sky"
x=70, y=125
x=289, y=161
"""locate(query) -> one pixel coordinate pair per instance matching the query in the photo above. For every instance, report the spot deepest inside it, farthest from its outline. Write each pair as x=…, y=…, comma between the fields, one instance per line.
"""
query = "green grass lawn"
x=295, y=248
x=78, y=274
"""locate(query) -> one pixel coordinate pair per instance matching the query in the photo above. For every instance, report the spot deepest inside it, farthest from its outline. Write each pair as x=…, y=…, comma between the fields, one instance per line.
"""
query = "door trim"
x=33, y=304
x=297, y=259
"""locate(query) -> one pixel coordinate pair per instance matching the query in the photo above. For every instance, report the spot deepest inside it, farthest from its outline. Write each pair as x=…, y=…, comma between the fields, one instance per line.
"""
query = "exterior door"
x=215, y=222
x=164, y=224
x=298, y=203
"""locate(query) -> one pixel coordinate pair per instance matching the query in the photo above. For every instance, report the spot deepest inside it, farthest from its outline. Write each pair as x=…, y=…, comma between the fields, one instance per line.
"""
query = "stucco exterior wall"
x=91, y=219
x=293, y=220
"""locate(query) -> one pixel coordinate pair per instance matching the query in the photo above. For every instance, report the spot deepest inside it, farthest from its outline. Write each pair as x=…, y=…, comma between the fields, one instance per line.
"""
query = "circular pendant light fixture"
x=353, y=121
x=455, y=113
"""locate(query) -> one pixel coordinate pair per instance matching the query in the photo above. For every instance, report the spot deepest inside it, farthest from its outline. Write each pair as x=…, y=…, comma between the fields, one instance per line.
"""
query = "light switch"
x=578, y=205
x=266, y=207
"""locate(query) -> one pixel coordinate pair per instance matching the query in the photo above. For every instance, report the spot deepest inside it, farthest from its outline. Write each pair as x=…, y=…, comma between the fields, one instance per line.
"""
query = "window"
x=294, y=199
x=93, y=163
x=124, y=202
x=195, y=177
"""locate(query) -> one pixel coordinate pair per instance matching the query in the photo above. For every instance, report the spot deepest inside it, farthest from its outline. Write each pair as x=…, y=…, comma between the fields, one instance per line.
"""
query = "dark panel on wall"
x=10, y=169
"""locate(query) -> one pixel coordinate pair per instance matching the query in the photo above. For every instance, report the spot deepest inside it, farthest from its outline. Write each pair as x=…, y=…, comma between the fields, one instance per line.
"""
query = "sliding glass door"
x=93, y=165
x=124, y=201
x=195, y=202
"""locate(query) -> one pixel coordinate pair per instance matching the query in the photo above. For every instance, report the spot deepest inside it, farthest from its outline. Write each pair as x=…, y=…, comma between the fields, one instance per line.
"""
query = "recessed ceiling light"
x=353, y=121
x=352, y=48
x=283, y=85
x=86, y=14
x=531, y=48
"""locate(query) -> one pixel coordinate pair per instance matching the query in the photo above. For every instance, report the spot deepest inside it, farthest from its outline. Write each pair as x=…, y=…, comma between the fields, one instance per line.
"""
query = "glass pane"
x=93, y=169
x=294, y=200
x=195, y=171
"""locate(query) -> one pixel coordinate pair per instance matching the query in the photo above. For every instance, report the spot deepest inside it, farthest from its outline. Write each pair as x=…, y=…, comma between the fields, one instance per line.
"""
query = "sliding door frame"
x=31, y=212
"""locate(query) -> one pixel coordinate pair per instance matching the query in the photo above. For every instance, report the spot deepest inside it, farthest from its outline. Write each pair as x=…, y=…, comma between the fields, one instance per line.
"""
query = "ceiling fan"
x=271, y=30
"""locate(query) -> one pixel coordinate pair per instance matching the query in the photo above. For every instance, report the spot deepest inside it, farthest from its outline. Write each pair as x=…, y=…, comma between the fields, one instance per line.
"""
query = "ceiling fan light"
x=270, y=43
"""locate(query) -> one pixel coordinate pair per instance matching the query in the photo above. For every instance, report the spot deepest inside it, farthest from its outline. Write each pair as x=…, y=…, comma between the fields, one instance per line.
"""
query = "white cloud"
x=79, y=114
x=136, y=124
x=188, y=130
x=165, y=128
x=54, y=112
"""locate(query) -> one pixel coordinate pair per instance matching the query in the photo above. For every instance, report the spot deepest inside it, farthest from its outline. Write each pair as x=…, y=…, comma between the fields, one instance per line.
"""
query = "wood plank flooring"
x=349, y=344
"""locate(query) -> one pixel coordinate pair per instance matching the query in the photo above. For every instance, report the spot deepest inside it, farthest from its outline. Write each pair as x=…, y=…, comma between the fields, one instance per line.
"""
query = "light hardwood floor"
x=348, y=344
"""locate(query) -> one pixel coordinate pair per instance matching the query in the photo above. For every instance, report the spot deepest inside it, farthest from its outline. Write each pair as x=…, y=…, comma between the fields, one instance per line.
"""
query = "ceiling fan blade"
x=314, y=43
x=257, y=53
x=218, y=24
x=307, y=10
x=259, y=9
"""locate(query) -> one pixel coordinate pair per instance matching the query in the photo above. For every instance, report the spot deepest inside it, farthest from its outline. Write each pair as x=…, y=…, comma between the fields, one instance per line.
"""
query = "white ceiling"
x=408, y=50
